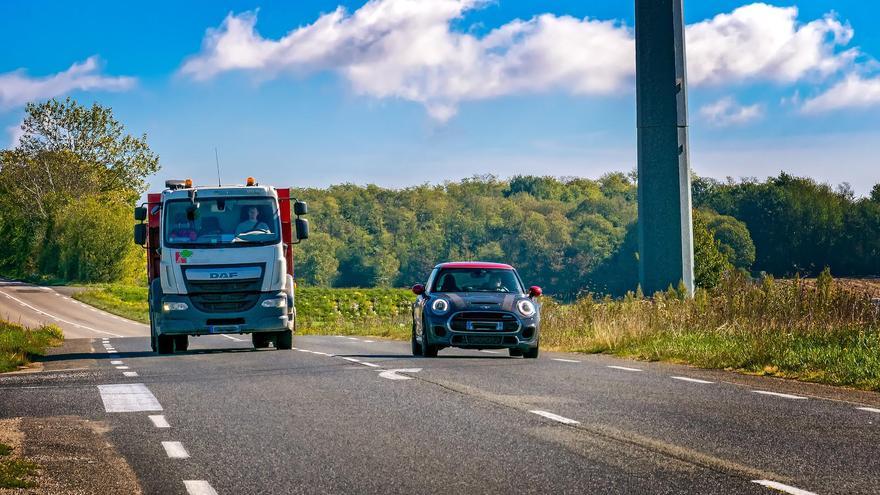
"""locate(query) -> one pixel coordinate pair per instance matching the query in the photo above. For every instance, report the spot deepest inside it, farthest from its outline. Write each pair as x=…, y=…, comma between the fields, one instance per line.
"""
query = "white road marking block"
x=869, y=409
x=393, y=374
x=122, y=367
x=624, y=368
x=159, y=421
x=692, y=380
x=782, y=488
x=128, y=397
x=555, y=417
x=565, y=360
x=198, y=487
x=130, y=374
x=175, y=450
x=777, y=394
x=115, y=362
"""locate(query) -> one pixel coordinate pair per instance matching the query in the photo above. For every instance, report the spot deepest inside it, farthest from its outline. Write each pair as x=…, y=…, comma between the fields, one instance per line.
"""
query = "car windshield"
x=476, y=280
x=225, y=221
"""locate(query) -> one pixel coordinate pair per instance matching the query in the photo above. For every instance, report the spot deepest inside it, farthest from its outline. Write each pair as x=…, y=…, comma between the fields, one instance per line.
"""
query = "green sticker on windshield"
x=186, y=253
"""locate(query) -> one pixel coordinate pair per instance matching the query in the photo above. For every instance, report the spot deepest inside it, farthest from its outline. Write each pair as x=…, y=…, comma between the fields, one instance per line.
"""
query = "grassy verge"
x=817, y=331
x=14, y=472
x=123, y=300
x=19, y=344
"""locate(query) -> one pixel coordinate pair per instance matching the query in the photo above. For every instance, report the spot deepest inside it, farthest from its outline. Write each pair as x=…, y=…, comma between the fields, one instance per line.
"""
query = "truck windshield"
x=224, y=221
x=476, y=280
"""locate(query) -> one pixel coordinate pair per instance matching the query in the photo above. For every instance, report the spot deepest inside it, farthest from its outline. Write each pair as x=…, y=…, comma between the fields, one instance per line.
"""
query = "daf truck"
x=220, y=261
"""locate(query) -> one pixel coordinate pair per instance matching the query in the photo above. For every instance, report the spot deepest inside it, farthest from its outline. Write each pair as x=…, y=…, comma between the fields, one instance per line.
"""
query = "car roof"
x=474, y=264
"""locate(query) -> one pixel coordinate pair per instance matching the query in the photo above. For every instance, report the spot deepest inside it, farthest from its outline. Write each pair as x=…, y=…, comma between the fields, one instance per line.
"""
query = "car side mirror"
x=300, y=208
x=302, y=229
x=418, y=289
x=535, y=291
x=140, y=234
x=140, y=213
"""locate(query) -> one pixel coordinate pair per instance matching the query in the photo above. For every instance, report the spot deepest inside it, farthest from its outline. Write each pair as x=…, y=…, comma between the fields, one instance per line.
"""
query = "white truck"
x=220, y=261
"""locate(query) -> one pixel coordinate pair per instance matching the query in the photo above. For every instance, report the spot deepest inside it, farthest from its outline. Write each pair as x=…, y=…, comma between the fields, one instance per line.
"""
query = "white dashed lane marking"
x=175, y=450
x=130, y=374
x=199, y=487
x=128, y=397
x=159, y=421
x=565, y=360
x=777, y=394
x=692, y=380
x=115, y=362
x=555, y=417
x=782, y=488
x=122, y=367
x=624, y=368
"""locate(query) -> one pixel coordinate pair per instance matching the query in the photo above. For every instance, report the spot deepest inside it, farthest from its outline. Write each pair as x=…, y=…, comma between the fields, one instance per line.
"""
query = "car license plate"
x=224, y=329
x=485, y=325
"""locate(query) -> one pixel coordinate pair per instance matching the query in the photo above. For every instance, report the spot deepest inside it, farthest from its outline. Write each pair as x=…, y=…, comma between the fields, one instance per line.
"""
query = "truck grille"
x=224, y=296
x=484, y=321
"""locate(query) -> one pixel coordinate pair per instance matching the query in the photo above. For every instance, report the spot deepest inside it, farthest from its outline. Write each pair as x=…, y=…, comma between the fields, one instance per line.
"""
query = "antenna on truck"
x=217, y=159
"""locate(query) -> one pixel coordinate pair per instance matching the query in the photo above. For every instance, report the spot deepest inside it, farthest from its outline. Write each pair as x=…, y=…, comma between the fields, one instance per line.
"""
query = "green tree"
x=709, y=262
x=733, y=238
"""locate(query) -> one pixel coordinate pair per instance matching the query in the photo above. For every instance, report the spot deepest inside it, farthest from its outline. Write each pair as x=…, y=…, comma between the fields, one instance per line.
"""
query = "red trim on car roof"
x=475, y=264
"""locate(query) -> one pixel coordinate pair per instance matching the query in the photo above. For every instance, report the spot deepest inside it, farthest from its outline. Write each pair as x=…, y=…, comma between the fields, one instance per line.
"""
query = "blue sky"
x=399, y=92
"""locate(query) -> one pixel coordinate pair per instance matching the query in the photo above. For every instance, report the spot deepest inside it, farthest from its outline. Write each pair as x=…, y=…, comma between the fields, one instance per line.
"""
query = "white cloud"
x=17, y=88
x=727, y=111
x=408, y=49
x=15, y=133
x=854, y=91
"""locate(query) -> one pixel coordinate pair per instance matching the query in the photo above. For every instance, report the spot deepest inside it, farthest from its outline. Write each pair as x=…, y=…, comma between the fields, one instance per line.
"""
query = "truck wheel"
x=153, y=344
x=181, y=342
x=260, y=340
x=165, y=344
x=532, y=353
x=284, y=340
x=416, y=347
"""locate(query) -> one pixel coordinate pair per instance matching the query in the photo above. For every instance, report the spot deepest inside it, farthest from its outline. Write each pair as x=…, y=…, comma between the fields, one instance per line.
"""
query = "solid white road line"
x=230, y=337
x=128, y=397
x=130, y=374
x=122, y=367
x=777, y=394
x=353, y=338
x=371, y=365
x=869, y=409
x=555, y=417
x=159, y=421
x=692, y=380
x=565, y=360
x=393, y=374
x=782, y=488
x=624, y=368
x=198, y=487
x=115, y=362
x=353, y=360
x=175, y=450
x=59, y=319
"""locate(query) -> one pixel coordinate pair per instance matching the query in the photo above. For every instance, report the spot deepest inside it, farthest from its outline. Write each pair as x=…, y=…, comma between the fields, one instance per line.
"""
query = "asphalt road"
x=333, y=416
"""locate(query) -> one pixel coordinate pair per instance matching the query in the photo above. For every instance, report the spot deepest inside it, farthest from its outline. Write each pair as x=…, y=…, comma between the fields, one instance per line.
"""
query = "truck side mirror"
x=302, y=229
x=300, y=208
x=140, y=234
x=140, y=213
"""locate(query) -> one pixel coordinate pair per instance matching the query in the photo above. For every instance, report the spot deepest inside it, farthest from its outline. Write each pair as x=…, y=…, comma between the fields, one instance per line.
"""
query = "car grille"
x=484, y=321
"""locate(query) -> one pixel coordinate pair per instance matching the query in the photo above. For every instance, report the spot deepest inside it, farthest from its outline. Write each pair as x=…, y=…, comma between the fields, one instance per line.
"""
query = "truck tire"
x=165, y=344
x=260, y=340
x=153, y=344
x=284, y=340
x=181, y=342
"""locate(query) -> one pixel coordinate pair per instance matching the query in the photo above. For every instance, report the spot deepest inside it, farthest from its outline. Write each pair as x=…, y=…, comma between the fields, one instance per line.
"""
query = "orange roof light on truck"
x=251, y=182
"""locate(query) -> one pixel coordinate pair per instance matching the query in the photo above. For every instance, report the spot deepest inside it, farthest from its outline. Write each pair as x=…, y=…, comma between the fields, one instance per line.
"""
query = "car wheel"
x=165, y=344
x=416, y=347
x=428, y=350
x=515, y=352
x=533, y=352
x=284, y=340
x=181, y=342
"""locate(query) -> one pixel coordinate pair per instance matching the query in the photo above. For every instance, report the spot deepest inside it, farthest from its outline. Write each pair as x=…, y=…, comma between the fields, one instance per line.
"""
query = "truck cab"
x=220, y=261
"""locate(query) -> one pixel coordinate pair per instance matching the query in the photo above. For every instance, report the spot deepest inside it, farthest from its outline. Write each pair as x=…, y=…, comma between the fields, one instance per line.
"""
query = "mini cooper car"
x=475, y=305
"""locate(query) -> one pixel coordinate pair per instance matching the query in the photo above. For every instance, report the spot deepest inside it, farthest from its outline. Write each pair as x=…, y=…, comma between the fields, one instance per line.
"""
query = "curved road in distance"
x=358, y=415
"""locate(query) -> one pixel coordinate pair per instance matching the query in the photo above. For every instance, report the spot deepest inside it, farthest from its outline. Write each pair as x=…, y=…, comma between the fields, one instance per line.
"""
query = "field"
x=19, y=344
x=819, y=330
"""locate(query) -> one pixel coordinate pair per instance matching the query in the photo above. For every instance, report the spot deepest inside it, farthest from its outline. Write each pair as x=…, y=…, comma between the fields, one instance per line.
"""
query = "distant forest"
x=574, y=235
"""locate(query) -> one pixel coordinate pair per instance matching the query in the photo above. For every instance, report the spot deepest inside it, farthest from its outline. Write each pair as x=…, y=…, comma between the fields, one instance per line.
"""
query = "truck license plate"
x=224, y=329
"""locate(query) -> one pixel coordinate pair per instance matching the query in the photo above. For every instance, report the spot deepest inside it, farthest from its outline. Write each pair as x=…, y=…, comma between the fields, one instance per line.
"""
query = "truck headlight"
x=440, y=306
x=174, y=306
x=526, y=307
x=275, y=302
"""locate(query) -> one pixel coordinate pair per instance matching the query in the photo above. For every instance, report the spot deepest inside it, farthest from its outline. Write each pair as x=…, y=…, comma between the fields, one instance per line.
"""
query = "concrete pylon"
x=666, y=252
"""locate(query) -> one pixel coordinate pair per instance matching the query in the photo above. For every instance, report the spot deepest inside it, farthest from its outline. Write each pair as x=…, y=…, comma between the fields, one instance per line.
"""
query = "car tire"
x=532, y=353
x=284, y=340
x=515, y=352
x=181, y=342
x=416, y=347
x=165, y=344
x=428, y=350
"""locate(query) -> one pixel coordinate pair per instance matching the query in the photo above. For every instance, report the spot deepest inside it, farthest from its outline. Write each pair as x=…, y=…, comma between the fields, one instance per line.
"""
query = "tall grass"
x=19, y=344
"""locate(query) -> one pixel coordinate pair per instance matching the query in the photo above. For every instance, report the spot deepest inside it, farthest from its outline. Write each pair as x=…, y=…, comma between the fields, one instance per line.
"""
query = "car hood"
x=486, y=301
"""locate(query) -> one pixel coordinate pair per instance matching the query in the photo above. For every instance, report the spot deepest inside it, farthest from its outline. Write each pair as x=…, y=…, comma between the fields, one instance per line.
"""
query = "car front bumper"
x=439, y=332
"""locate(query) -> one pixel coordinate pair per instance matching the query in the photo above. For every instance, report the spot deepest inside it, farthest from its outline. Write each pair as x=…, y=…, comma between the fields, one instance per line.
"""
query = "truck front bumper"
x=192, y=321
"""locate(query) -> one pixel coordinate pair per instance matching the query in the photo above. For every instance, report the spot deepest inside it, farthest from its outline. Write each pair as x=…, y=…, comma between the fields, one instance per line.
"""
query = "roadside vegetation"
x=18, y=344
x=15, y=472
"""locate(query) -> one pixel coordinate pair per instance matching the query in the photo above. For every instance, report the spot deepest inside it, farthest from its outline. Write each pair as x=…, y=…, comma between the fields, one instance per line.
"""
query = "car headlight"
x=440, y=306
x=526, y=307
x=174, y=306
x=275, y=302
